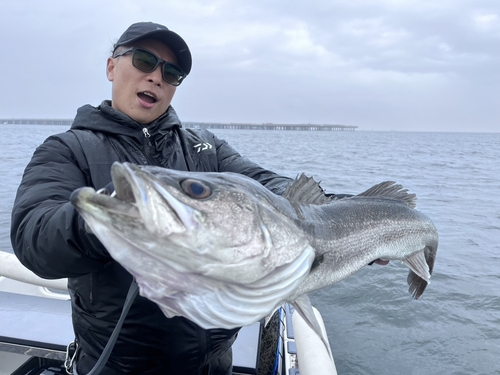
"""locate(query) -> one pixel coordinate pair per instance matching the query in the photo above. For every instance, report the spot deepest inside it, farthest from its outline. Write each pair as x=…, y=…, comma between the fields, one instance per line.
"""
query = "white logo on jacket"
x=202, y=147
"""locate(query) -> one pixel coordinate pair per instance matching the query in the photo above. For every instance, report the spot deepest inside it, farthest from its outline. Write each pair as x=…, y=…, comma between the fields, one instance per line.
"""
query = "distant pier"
x=34, y=121
x=202, y=125
x=269, y=126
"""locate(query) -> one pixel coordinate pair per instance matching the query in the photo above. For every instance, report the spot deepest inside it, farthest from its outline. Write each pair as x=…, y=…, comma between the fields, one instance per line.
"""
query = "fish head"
x=209, y=223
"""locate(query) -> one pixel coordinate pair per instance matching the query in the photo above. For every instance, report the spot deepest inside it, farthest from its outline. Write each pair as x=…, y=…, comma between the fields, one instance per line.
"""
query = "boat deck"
x=37, y=326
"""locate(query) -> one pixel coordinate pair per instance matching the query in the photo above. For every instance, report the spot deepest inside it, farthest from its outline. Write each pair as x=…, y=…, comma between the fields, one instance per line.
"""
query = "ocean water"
x=373, y=325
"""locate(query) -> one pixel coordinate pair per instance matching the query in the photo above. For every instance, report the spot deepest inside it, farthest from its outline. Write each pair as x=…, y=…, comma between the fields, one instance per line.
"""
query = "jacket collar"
x=106, y=119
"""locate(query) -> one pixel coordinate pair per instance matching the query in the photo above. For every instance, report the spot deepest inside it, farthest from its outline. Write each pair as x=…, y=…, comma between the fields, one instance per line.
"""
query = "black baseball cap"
x=152, y=30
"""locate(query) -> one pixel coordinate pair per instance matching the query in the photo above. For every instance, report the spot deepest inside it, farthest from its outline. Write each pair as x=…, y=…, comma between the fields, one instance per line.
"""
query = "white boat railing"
x=313, y=357
x=12, y=270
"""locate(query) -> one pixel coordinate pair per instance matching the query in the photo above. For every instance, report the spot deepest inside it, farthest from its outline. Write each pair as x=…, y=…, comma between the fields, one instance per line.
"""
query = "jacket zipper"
x=148, y=145
x=91, y=296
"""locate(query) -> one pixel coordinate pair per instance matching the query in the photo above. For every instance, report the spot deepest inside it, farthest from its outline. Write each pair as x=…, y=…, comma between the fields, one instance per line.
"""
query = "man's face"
x=142, y=96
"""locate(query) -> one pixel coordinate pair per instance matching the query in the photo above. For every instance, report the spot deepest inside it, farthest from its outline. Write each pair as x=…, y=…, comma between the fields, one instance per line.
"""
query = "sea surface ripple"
x=373, y=324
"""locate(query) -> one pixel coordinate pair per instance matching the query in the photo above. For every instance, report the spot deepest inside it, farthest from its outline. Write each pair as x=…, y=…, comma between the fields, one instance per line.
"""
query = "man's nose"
x=156, y=76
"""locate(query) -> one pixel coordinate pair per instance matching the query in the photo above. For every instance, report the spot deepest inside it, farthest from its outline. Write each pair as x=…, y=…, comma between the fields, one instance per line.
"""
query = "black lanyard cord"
x=103, y=359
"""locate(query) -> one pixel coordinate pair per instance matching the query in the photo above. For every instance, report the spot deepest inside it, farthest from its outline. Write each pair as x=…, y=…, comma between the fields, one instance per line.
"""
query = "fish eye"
x=196, y=189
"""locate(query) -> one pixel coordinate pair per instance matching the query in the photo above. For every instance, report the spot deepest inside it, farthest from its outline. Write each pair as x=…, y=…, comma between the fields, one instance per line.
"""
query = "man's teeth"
x=147, y=96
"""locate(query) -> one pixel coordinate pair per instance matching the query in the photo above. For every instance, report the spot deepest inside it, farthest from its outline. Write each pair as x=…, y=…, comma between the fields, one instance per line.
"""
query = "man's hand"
x=109, y=189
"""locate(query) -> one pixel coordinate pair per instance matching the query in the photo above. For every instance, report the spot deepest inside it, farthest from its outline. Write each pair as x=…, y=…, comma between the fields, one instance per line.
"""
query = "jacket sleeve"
x=231, y=161
x=47, y=233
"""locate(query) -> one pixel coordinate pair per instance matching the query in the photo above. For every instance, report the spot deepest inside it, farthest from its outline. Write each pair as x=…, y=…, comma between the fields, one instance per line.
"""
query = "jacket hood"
x=106, y=119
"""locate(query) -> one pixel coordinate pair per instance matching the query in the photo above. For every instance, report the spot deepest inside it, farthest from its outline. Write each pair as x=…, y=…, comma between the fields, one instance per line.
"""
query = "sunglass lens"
x=145, y=61
x=172, y=74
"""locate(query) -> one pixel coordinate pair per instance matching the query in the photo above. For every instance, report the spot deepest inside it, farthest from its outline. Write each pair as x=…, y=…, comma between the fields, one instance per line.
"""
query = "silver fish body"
x=357, y=230
x=223, y=251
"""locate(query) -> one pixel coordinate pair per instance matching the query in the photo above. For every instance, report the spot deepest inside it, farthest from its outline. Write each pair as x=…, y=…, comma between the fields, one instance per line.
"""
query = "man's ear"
x=110, y=68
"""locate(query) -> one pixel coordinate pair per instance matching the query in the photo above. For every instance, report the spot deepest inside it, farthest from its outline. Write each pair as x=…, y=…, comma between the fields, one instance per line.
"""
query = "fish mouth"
x=96, y=204
x=137, y=187
x=421, y=265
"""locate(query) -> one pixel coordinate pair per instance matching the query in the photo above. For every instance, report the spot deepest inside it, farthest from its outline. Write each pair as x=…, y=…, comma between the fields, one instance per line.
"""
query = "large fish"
x=223, y=251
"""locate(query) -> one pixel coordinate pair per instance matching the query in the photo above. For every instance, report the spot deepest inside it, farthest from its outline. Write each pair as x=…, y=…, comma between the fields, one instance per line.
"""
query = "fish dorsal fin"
x=305, y=190
x=389, y=189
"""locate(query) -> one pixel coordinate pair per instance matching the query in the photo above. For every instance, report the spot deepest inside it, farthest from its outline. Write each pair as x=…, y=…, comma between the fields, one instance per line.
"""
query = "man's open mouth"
x=147, y=97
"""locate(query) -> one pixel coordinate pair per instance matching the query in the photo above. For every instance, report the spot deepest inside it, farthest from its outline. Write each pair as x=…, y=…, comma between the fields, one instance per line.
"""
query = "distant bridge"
x=269, y=126
x=201, y=125
x=33, y=121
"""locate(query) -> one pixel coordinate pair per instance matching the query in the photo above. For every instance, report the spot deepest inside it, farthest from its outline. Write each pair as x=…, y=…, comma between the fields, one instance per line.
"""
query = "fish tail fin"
x=303, y=306
x=421, y=265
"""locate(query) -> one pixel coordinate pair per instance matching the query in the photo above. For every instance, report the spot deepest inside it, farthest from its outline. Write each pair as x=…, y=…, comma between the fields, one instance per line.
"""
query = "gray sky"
x=427, y=65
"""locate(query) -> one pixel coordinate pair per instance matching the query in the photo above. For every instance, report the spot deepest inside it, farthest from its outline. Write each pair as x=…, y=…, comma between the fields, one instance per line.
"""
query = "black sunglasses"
x=147, y=62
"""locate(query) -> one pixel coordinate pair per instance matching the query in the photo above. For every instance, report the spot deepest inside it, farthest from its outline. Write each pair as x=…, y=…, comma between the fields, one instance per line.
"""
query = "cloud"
x=374, y=63
x=487, y=22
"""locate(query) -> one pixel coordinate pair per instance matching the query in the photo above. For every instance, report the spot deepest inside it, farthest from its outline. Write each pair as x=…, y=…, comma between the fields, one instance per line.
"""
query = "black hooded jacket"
x=49, y=236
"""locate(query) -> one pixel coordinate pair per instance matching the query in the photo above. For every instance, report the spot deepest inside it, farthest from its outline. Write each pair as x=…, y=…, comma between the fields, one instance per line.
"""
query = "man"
x=49, y=237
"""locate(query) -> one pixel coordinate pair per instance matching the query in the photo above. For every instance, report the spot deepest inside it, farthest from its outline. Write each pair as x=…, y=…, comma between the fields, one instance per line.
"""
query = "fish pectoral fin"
x=303, y=306
x=418, y=264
